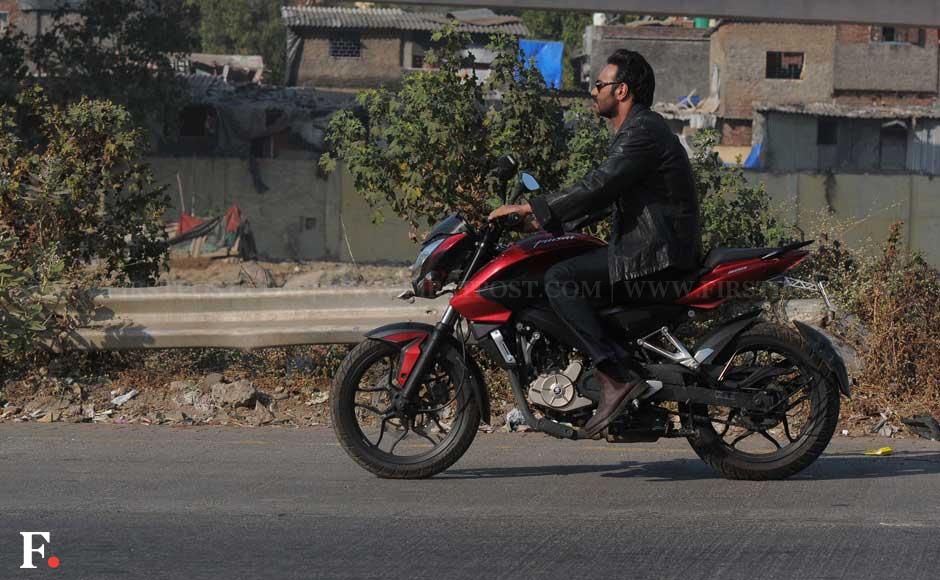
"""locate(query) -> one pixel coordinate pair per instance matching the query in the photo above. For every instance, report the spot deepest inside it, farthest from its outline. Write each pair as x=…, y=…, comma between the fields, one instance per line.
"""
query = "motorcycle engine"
x=554, y=388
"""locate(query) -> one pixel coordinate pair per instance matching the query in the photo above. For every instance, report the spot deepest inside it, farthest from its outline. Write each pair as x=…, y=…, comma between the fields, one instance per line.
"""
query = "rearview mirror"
x=529, y=182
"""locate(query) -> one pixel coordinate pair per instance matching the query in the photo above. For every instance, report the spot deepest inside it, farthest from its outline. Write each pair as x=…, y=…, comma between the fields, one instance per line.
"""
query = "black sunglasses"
x=601, y=84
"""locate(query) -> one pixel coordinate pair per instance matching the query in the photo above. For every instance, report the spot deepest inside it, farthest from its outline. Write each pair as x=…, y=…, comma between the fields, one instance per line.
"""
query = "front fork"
x=442, y=330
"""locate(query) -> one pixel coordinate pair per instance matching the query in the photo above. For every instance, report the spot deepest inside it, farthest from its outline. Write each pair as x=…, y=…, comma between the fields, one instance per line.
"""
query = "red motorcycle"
x=755, y=400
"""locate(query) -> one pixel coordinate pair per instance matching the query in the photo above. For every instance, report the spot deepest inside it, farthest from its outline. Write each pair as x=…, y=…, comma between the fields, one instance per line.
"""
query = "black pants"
x=576, y=287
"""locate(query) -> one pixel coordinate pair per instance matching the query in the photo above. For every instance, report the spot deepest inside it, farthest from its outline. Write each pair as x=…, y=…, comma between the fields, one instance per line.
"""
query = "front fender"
x=822, y=346
x=412, y=335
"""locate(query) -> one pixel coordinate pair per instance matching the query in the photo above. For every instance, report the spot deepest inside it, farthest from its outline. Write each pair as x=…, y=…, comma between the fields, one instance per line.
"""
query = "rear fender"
x=822, y=346
x=410, y=337
x=711, y=345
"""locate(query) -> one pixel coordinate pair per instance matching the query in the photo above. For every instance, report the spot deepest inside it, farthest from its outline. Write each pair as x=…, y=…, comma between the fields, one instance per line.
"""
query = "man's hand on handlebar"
x=513, y=215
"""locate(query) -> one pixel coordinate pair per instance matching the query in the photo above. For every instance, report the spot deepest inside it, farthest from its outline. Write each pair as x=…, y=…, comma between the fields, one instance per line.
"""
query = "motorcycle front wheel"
x=416, y=444
x=804, y=408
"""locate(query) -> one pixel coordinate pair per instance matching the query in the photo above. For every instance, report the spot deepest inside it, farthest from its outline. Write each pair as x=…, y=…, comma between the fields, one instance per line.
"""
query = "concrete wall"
x=380, y=62
x=680, y=64
x=884, y=66
x=299, y=218
x=867, y=204
x=740, y=51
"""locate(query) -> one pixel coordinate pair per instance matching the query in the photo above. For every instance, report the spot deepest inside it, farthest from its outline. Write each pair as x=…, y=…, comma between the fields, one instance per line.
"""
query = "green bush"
x=77, y=209
x=734, y=213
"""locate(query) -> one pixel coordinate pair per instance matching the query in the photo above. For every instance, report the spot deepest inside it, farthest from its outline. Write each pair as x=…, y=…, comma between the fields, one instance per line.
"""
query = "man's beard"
x=603, y=113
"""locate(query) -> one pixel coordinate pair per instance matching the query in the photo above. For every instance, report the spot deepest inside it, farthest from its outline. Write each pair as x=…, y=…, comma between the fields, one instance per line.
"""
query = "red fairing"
x=447, y=244
x=538, y=253
x=726, y=280
x=411, y=341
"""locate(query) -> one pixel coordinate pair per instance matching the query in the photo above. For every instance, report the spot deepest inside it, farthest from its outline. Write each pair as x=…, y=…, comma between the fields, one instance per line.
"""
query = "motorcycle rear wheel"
x=442, y=427
x=786, y=443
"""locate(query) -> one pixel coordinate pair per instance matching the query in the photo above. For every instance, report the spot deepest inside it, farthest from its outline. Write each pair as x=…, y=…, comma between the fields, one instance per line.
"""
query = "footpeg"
x=652, y=387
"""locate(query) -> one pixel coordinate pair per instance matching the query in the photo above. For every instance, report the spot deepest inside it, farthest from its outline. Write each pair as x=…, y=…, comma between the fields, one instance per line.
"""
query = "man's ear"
x=623, y=92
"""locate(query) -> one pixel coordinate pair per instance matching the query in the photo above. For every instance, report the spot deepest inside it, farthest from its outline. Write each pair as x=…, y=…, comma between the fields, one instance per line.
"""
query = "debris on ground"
x=884, y=427
x=238, y=394
x=923, y=426
x=120, y=400
x=319, y=398
x=880, y=452
x=515, y=421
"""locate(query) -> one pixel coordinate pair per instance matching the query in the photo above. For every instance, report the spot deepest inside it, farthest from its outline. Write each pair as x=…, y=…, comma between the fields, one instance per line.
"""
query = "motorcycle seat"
x=722, y=255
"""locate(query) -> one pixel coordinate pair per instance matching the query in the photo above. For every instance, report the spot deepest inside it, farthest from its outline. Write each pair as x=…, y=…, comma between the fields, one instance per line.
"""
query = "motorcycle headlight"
x=422, y=280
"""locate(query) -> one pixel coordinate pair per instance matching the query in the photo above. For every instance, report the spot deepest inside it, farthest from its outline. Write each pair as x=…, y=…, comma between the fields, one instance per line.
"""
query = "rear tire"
x=465, y=415
x=823, y=414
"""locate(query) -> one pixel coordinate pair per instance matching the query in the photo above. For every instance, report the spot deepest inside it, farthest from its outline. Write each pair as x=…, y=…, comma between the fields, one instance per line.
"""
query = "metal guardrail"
x=183, y=317
x=195, y=317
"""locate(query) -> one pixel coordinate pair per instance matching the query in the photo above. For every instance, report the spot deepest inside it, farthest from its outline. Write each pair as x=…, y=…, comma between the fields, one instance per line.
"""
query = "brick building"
x=352, y=48
x=787, y=65
x=678, y=54
x=9, y=11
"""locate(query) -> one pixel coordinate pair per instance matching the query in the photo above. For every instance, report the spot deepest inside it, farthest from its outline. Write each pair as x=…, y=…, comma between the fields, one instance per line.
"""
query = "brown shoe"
x=614, y=398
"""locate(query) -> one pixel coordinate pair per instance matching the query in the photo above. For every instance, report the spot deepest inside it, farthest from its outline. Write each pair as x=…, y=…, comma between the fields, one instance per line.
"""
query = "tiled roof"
x=652, y=31
x=397, y=19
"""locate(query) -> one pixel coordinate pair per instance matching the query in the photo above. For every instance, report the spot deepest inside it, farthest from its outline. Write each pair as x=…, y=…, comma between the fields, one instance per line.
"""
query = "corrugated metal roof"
x=853, y=111
x=396, y=19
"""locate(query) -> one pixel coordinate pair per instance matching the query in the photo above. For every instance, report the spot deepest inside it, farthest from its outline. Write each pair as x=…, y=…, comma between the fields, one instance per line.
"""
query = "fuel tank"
x=514, y=279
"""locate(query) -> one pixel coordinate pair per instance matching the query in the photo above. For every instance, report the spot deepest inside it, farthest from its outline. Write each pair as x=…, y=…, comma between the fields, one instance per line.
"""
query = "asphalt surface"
x=163, y=502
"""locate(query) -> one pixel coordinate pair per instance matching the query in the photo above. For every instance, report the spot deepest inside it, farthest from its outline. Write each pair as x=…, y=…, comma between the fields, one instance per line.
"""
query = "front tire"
x=790, y=447
x=444, y=425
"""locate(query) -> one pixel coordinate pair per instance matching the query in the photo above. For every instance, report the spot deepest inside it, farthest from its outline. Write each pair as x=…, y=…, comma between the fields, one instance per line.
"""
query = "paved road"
x=162, y=502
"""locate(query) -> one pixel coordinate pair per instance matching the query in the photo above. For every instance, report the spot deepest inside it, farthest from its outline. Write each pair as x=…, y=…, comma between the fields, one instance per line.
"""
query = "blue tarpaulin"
x=547, y=55
x=753, y=160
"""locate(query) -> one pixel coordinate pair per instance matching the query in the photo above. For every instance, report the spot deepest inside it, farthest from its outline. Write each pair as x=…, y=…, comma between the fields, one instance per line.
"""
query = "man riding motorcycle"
x=647, y=188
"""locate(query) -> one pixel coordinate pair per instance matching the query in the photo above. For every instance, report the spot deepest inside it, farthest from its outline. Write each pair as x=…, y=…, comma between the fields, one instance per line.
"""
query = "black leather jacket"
x=646, y=184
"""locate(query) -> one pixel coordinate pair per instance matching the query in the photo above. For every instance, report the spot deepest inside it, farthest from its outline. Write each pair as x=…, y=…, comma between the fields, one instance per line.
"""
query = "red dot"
x=53, y=562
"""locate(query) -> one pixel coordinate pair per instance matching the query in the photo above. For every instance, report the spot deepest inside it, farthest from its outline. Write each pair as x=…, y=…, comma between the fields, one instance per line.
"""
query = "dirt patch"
x=277, y=386
x=225, y=272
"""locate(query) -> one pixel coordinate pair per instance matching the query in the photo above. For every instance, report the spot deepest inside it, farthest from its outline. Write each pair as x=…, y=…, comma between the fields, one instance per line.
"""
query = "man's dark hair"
x=633, y=69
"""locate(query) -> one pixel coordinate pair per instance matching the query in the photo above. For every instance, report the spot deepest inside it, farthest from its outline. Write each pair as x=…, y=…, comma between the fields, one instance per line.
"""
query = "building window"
x=828, y=132
x=905, y=35
x=197, y=121
x=346, y=46
x=784, y=65
x=894, y=146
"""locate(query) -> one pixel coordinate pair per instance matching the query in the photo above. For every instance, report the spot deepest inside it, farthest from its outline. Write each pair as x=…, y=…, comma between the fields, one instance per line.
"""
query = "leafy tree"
x=122, y=51
x=245, y=27
x=426, y=149
x=12, y=63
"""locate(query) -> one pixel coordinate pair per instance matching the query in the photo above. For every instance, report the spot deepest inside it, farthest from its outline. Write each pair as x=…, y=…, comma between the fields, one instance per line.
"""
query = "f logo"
x=29, y=549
